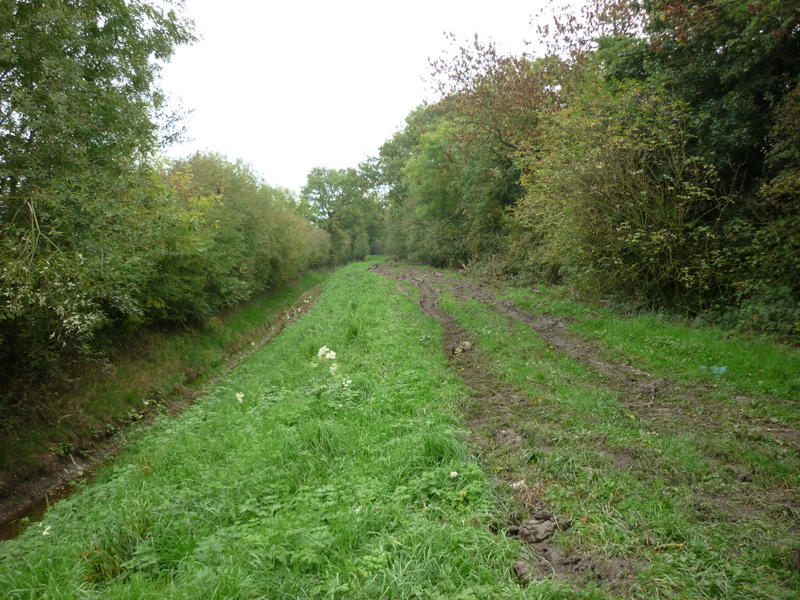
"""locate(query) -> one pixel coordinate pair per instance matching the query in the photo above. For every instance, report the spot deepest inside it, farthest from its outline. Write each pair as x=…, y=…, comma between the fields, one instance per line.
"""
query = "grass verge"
x=300, y=474
x=57, y=425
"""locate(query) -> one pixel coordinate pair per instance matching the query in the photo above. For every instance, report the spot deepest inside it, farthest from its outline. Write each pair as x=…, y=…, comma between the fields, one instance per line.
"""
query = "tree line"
x=100, y=236
x=650, y=157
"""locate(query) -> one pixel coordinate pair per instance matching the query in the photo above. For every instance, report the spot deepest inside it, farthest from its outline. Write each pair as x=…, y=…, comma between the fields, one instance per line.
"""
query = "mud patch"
x=509, y=439
x=540, y=526
x=576, y=569
x=493, y=417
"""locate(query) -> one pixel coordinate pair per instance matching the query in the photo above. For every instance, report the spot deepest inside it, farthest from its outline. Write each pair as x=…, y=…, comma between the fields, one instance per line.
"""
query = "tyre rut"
x=491, y=417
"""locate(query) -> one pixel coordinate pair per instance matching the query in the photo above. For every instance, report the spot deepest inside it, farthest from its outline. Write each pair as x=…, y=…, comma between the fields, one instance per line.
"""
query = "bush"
x=617, y=201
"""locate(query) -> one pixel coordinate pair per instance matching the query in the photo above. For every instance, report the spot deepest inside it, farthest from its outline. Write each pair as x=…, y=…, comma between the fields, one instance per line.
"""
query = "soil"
x=23, y=495
x=497, y=413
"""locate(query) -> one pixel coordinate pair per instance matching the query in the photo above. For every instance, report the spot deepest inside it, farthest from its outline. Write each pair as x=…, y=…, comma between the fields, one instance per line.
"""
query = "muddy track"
x=494, y=402
x=30, y=497
x=497, y=408
x=656, y=401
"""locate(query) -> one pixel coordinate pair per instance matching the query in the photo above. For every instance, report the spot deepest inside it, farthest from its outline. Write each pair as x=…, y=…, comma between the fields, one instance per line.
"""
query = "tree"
x=735, y=66
x=230, y=235
x=732, y=61
x=618, y=200
x=497, y=100
x=768, y=245
x=389, y=176
x=78, y=87
x=79, y=203
x=342, y=203
x=452, y=170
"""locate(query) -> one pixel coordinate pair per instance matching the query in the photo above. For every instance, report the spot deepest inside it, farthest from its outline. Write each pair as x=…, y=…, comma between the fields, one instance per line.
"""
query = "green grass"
x=301, y=476
x=662, y=493
x=288, y=480
x=144, y=373
x=665, y=346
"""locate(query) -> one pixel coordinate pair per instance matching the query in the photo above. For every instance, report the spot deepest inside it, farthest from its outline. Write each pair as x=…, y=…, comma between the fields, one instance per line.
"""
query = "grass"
x=661, y=344
x=291, y=479
x=303, y=475
x=666, y=492
x=149, y=371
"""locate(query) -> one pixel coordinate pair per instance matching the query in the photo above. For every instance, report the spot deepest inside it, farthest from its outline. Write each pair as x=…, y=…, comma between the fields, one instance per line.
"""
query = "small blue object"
x=715, y=369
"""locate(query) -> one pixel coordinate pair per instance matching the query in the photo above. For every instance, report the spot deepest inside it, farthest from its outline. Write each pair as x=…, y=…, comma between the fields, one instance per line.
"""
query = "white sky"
x=288, y=86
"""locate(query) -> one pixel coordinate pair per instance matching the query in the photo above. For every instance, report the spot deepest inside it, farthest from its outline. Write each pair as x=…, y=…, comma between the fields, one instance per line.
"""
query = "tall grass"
x=295, y=476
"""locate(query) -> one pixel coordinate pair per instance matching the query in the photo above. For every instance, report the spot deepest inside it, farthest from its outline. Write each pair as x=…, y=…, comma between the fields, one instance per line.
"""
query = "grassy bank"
x=295, y=476
x=151, y=371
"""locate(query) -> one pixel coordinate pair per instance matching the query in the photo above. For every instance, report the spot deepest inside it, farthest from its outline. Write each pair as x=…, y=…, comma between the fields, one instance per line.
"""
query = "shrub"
x=617, y=201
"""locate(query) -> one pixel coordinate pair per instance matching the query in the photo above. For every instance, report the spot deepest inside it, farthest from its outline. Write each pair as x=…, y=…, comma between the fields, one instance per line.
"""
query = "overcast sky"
x=288, y=86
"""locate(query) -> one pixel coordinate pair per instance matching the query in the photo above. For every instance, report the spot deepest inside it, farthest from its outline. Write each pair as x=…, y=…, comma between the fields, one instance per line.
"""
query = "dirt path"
x=497, y=410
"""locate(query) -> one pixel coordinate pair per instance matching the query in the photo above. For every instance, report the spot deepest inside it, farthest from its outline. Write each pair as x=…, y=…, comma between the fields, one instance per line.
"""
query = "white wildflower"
x=46, y=530
x=453, y=474
x=347, y=383
x=240, y=397
x=326, y=353
x=334, y=367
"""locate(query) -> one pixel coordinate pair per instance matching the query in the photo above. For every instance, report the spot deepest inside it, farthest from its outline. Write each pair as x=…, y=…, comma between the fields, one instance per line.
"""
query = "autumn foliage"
x=647, y=156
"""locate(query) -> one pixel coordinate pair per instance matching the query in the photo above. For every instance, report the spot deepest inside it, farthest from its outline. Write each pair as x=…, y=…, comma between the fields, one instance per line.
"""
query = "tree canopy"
x=98, y=235
x=647, y=156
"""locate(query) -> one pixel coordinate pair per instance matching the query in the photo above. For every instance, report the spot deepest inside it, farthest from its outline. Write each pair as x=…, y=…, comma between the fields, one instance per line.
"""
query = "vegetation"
x=99, y=238
x=307, y=472
x=335, y=463
x=157, y=371
x=649, y=158
x=344, y=204
x=77, y=195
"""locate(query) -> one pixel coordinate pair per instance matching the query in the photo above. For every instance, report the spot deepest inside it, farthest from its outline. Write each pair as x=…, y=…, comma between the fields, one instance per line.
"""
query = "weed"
x=65, y=449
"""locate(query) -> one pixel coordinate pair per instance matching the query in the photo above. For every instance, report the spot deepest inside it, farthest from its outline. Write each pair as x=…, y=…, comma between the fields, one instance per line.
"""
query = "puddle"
x=15, y=523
